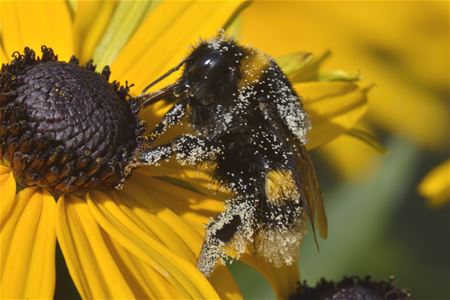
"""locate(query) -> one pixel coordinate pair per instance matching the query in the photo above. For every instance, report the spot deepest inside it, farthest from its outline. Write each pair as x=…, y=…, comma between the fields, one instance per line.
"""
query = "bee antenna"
x=164, y=76
x=165, y=93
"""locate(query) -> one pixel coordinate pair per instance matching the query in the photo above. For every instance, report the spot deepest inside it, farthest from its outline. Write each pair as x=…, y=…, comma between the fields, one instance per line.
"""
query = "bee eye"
x=209, y=67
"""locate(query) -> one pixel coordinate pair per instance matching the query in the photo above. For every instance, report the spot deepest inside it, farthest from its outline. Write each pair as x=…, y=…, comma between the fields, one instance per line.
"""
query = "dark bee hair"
x=250, y=125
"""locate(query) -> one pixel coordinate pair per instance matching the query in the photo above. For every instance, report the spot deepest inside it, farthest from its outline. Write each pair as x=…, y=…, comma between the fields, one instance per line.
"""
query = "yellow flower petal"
x=90, y=23
x=189, y=226
x=291, y=63
x=142, y=278
x=224, y=283
x=314, y=91
x=334, y=108
x=72, y=6
x=3, y=57
x=7, y=229
x=163, y=39
x=339, y=75
x=36, y=23
x=168, y=208
x=199, y=180
x=409, y=114
x=284, y=280
x=194, y=208
x=367, y=138
x=302, y=66
x=436, y=185
x=183, y=275
x=411, y=80
x=351, y=158
x=159, y=222
x=8, y=192
x=88, y=259
x=28, y=247
x=127, y=17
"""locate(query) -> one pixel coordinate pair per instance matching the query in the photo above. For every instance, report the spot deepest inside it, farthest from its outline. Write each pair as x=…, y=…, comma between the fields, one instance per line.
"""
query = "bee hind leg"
x=230, y=232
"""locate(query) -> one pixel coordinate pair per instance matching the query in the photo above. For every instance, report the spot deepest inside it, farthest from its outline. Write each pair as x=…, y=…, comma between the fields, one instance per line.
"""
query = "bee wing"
x=309, y=186
x=305, y=177
x=283, y=106
x=312, y=191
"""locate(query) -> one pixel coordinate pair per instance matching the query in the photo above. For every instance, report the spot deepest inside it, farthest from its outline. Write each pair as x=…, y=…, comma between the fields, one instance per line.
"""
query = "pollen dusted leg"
x=171, y=118
x=188, y=150
x=231, y=230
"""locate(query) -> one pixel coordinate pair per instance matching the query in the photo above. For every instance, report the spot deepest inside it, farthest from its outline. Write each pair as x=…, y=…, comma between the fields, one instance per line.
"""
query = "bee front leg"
x=155, y=155
x=171, y=118
x=231, y=230
x=192, y=150
x=188, y=150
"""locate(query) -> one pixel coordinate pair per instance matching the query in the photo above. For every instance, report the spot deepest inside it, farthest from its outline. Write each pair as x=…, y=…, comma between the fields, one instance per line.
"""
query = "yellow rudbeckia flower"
x=401, y=46
x=142, y=241
x=435, y=186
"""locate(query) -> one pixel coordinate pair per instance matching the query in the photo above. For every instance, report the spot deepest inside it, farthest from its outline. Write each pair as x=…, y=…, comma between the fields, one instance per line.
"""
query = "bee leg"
x=155, y=155
x=171, y=118
x=192, y=150
x=232, y=230
x=189, y=150
x=146, y=156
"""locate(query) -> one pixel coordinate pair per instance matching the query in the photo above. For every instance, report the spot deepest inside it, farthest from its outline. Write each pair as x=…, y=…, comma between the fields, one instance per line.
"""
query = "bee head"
x=211, y=72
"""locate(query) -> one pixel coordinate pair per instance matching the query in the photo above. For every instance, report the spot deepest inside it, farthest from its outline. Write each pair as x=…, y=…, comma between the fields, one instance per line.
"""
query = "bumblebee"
x=251, y=128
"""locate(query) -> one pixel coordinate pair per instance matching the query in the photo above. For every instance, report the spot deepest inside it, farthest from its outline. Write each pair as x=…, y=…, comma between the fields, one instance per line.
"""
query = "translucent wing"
x=283, y=107
x=312, y=191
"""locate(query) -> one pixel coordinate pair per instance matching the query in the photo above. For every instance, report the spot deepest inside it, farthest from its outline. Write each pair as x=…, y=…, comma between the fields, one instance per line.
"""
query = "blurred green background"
x=378, y=223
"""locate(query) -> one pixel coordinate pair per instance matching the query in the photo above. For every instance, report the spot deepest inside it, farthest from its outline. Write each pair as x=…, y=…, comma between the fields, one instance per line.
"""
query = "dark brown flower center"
x=352, y=288
x=64, y=126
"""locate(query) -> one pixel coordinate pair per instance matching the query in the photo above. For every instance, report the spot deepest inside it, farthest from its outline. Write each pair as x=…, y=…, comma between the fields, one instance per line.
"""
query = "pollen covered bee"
x=251, y=127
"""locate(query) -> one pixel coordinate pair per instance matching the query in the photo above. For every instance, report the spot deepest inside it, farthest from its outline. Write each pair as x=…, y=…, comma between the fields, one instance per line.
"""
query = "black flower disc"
x=351, y=288
x=64, y=126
